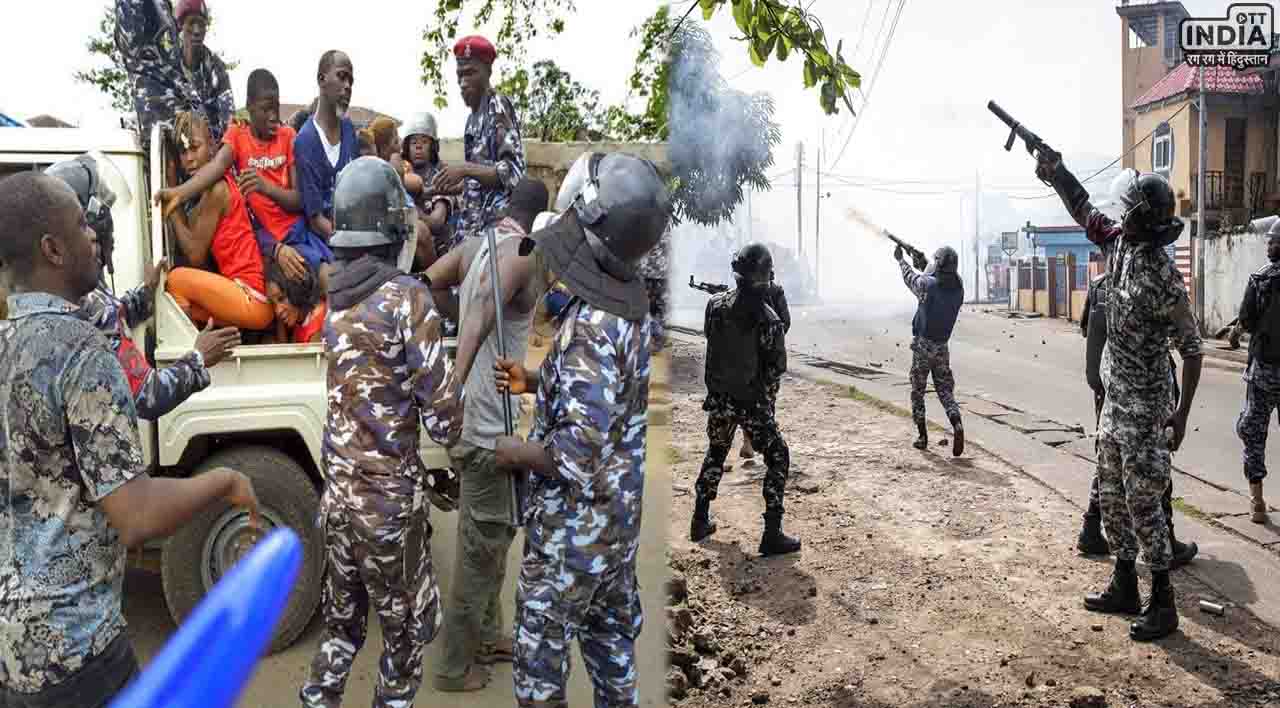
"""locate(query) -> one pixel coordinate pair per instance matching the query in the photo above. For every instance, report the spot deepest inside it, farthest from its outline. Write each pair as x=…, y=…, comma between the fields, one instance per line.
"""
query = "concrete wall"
x=1185, y=134
x=1228, y=262
x=1077, y=304
x=550, y=162
x=1042, y=302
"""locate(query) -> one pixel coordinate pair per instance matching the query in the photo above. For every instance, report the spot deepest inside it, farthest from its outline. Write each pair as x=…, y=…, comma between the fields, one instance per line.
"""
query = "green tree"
x=108, y=74
x=552, y=105
x=770, y=28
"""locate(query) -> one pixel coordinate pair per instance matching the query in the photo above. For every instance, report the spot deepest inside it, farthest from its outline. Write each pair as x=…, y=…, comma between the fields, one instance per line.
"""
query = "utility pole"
x=799, y=203
x=750, y=234
x=817, y=221
x=977, y=204
x=1201, y=201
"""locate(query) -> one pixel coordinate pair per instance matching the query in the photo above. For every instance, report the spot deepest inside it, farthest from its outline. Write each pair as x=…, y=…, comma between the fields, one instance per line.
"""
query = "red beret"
x=476, y=48
x=189, y=7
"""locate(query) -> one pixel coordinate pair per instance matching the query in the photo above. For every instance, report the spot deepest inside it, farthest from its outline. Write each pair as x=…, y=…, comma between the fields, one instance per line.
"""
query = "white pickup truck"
x=263, y=415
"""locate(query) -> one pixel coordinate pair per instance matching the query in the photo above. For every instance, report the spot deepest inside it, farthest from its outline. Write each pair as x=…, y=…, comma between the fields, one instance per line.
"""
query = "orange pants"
x=202, y=295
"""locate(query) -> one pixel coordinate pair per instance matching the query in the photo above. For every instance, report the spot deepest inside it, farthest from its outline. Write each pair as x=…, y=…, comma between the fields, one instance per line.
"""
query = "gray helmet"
x=1274, y=231
x=623, y=206
x=946, y=260
x=1149, y=205
x=369, y=206
x=98, y=186
x=418, y=124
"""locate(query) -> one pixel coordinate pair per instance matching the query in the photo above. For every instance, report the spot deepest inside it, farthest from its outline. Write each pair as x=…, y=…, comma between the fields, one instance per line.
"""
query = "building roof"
x=48, y=121
x=1056, y=229
x=1185, y=79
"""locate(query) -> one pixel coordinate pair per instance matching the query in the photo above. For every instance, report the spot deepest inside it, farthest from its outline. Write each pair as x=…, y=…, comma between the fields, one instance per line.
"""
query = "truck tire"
x=205, y=548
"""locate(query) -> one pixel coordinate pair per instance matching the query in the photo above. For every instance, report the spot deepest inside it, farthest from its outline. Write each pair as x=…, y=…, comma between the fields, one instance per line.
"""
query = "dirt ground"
x=924, y=581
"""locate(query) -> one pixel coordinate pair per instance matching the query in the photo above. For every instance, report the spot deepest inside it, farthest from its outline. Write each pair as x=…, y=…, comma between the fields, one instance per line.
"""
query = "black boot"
x=702, y=525
x=1159, y=615
x=1121, y=596
x=922, y=442
x=1182, y=552
x=957, y=437
x=1091, y=541
x=774, y=542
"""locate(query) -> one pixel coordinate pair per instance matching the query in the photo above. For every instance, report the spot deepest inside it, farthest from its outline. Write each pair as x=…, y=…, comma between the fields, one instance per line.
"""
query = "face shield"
x=574, y=182
x=408, y=218
x=1124, y=196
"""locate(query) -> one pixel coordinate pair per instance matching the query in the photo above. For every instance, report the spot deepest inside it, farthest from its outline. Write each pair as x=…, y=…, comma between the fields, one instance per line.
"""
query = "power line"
x=865, y=16
x=874, y=80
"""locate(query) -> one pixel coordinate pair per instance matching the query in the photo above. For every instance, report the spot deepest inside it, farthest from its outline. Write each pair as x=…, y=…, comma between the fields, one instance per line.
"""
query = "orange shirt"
x=234, y=248
x=273, y=161
x=311, y=326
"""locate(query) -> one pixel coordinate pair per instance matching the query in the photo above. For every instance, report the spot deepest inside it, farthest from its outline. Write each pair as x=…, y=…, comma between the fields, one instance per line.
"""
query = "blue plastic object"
x=210, y=659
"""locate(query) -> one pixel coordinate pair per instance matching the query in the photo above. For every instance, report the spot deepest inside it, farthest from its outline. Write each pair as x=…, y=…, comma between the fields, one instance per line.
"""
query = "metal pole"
x=817, y=224
x=516, y=477
x=1201, y=201
x=977, y=204
x=799, y=203
x=750, y=235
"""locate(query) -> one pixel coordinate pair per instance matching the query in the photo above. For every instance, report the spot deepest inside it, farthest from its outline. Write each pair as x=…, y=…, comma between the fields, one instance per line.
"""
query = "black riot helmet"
x=1149, y=203
x=1273, y=242
x=98, y=186
x=946, y=260
x=371, y=210
x=753, y=267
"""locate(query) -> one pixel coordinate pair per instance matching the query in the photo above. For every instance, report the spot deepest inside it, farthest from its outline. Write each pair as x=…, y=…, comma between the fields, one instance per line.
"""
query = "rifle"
x=712, y=288
x=1036, y=147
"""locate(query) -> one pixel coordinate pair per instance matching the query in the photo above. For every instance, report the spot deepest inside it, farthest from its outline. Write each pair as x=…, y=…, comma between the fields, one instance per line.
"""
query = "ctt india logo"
x=1244, y=38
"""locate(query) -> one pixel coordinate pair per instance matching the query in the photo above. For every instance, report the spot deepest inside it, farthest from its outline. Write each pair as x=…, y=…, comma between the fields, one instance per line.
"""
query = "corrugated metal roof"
x=1217, y=79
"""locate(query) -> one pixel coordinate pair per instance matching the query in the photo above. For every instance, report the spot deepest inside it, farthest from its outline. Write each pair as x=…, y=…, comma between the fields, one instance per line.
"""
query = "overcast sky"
x=1054, y=64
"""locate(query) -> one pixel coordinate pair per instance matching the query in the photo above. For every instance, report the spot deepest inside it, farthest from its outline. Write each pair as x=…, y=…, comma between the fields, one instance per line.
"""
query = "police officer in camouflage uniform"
x=1260, y=317
x=777, y=299
x=1146, y=306
x=941, y=293
x=1093, y=325
x=746, y=357
x=153, y=44
x=386, y=368
x=586, y=451
x=155, y=391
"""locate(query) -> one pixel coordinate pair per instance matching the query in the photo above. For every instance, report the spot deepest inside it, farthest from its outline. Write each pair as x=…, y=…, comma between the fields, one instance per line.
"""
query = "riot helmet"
x=371, y=211
x=1273, y=242
x=99, y=186
x=753, y=267
x=623, y=206
x=945, y=260
x=421, y=124
x=613, y=208
x=1148, y=205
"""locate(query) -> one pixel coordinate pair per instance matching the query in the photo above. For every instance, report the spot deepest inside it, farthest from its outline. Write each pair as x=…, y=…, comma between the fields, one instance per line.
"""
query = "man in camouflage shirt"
x=1146, y=306
x=586, y=451
x=941, y=294
x=73, y=490
x=155, y=391
x=1260, y=317
x=746, y=357
x=386, y=367
x=494, y=152
x=169, y=68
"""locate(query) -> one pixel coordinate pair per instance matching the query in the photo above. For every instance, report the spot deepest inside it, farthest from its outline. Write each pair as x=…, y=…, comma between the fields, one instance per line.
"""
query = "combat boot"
x=775, y=542
x=1121, y=596
x=1257, y=504
x=1182, y=552
x=1159, y=615
x=957, y=437
x=922, y=442
x=702, y=525
x=1091, y=541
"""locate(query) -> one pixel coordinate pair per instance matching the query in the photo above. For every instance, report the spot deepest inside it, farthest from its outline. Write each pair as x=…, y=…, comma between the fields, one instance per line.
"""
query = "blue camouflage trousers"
x=932, y=358
x=1262, y=398
x=593, y=599
x=379, y=555
x=1133, y=478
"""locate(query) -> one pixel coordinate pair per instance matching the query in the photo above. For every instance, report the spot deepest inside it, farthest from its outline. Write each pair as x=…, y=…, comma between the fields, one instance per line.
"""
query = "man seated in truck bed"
x=219, y=234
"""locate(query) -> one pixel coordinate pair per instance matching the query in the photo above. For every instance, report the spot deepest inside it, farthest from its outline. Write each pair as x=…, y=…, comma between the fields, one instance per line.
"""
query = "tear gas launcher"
x=1038, y=148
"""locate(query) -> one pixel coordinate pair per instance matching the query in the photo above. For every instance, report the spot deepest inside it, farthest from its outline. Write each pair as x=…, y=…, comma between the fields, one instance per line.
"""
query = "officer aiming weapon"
x=918, y=258
x=712, y=288
x=517, y=477
x=1036, y=147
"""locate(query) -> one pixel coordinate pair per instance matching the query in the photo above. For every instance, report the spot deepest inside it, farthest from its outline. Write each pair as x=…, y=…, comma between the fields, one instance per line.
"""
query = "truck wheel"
x=202, y=551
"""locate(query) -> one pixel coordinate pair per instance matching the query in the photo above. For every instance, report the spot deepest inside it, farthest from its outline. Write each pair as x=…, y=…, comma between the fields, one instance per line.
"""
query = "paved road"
x=1033, y=365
